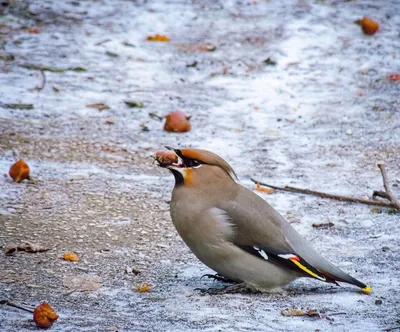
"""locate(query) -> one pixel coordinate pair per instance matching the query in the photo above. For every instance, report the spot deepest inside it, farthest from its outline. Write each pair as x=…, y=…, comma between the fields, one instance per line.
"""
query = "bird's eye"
x=195, y=162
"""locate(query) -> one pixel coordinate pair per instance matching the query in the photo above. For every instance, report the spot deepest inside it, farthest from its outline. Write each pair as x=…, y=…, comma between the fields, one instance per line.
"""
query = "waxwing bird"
x=234, y=231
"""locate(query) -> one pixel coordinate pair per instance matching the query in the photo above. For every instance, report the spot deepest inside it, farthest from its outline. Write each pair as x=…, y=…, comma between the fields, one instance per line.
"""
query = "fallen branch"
x=393, y=202
x=391, y=197
x=16, y=305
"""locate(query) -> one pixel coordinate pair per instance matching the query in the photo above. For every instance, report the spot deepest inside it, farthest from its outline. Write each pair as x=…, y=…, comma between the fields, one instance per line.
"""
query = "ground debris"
x=143, y=288
x=99, y=106
x=132, y=103
x=323, y=225
x=10, y=276
x=20, y=106
x=289, y=312
x=83, y=283
x=158, y=38
x=26, y=246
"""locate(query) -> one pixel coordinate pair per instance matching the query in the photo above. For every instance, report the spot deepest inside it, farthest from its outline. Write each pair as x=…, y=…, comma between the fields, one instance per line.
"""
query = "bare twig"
x=326, y=195
x=16, y=305
x=36, y=123
x=392, y=198
x=42, y=84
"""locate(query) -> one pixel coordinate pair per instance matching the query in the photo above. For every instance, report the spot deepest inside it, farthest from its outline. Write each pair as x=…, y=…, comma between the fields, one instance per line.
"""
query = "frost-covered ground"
x=321, y=118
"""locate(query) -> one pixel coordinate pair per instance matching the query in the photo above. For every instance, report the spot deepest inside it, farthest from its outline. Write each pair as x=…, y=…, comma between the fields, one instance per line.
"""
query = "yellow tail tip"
x=367, y=289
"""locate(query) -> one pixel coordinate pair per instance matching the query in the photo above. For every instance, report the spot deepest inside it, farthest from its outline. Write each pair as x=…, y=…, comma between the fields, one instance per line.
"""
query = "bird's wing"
x=262, y=231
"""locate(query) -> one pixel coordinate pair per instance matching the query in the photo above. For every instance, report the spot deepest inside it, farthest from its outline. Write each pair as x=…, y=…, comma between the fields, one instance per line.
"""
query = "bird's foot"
x=238, y=288
x=218, y=277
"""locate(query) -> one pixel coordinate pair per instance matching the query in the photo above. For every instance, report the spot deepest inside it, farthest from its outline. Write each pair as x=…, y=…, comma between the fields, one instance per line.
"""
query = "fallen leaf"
x=132, y=103
x=144, y=127
x=297, y=312
x=30, y=247
x=71, y=257
x=19, y=106
x=83, y=283
x=206, y=47
x=269, y=62
x=125, y=43
x=110, y=122
x=394, y=77
x=158, y=38
x=263, y=189
x=19, y=171
x=99, y=106
x=44, y=315
x=177, y=122
x=368, y=25
x=44, y=68
x=144, y=288
x=193, y=64
x=77, y=69
x=323, y=225
x=155, y=116
x=112, y=54
x=33, y=30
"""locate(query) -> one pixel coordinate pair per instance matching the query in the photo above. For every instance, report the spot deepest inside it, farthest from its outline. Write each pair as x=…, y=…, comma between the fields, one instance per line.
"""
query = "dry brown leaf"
x=99, y=106
x=19, y=171
x=30, y=247
x=158, y=38
x=289, y=312
x=144, y=288
x=263, y=189
x=110, y=122
x=71, y=257
x=83, y=283
x=44, y=315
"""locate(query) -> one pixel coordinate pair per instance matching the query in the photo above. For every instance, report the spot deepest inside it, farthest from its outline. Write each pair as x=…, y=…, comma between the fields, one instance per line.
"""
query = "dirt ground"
x=293, y=93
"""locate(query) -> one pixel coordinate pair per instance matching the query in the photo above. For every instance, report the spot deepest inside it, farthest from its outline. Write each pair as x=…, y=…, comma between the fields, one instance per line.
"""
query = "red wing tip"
x=295, y=258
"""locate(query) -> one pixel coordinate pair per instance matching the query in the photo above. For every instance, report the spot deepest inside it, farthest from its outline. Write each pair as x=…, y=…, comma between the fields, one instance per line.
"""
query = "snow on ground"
x=321, y=118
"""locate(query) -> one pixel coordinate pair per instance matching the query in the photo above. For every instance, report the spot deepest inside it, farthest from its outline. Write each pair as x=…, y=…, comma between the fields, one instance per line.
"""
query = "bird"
x=234, y=231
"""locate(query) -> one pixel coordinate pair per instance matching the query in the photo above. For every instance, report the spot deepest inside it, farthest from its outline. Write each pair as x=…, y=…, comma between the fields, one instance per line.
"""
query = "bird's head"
x=191, y=166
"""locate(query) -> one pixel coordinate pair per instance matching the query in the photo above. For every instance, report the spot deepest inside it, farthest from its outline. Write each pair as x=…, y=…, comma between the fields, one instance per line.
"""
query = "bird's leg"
x=237, y=288
x=218, y=277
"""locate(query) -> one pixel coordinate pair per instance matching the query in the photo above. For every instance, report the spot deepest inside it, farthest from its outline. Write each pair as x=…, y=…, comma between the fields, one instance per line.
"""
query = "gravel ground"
x=320, y=113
